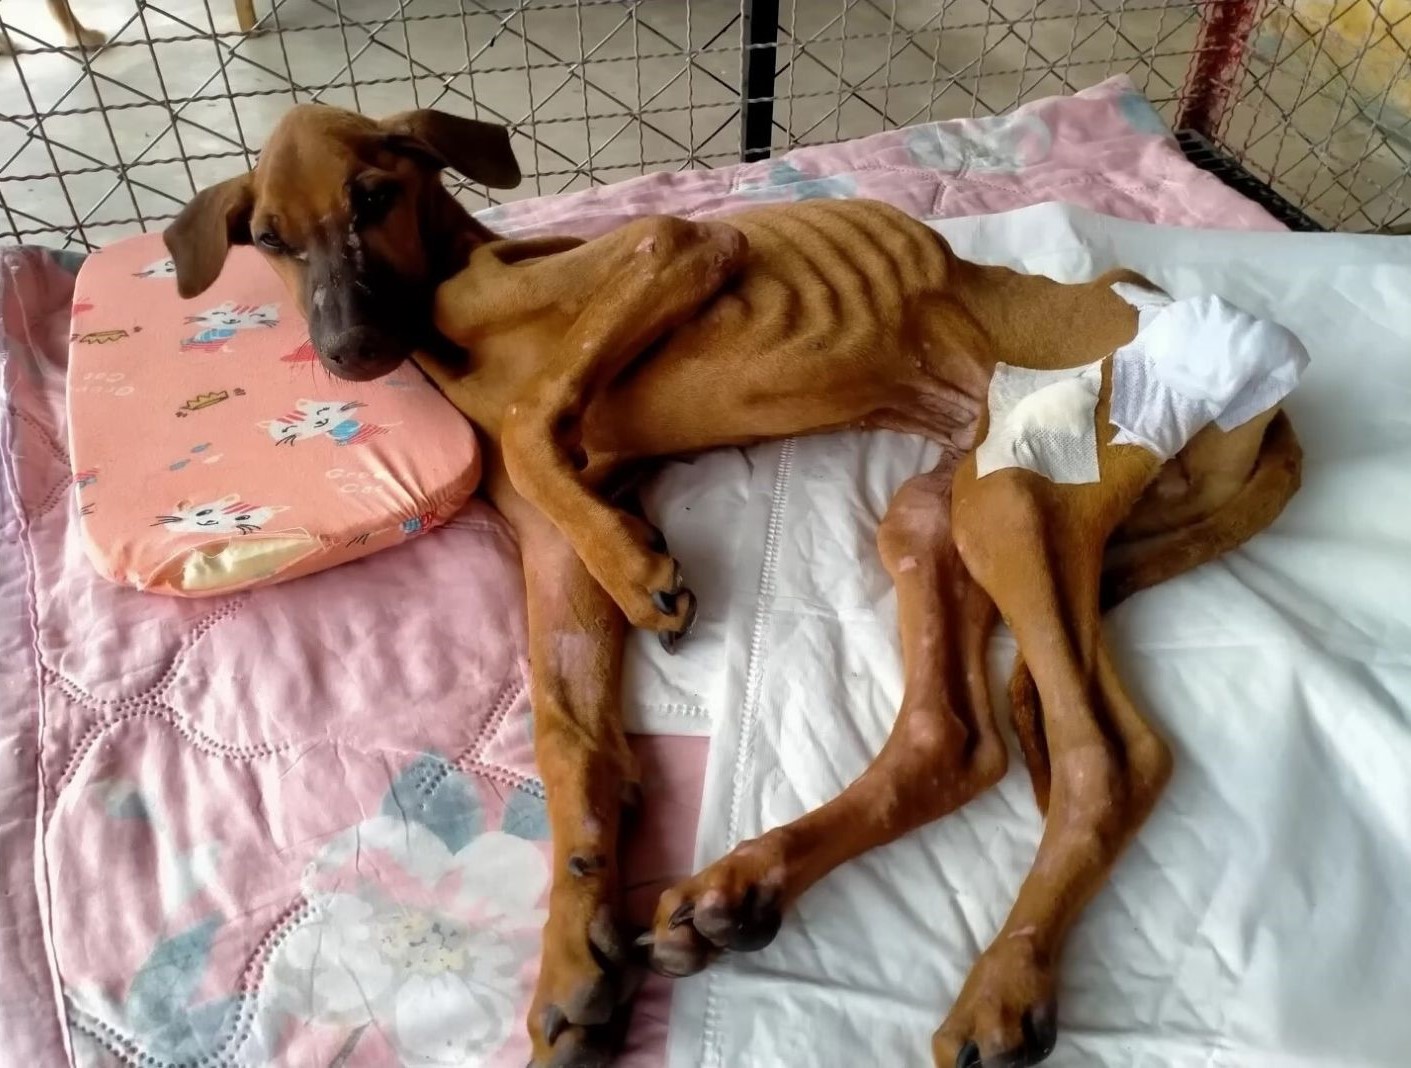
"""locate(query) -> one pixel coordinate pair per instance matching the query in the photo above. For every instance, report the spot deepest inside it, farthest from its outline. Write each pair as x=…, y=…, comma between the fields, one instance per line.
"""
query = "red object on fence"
x=1219, y=54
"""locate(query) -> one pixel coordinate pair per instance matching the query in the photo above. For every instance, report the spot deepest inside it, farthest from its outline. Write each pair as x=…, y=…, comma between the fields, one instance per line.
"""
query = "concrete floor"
x=600, y=90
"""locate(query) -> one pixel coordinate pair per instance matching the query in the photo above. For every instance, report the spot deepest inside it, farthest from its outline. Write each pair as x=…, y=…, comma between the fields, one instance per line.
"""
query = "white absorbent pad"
x=1193, y=362
x=1261, y=917
x=696, y=503
x=1043, y=421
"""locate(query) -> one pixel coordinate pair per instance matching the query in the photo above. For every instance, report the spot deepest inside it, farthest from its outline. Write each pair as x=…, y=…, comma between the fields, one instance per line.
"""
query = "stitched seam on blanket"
x=152, y=708
x=11, y=489
x=52, y=499
x=129, y=1049
x=49, y=442
x=195, y=633
x=470, y=757
x=754, y=683
x=672, y=709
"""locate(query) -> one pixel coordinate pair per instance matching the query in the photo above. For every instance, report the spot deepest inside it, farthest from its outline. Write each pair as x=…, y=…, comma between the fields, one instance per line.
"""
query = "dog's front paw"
x=1005, y=1016
x=646, y=583
x=582, y=1003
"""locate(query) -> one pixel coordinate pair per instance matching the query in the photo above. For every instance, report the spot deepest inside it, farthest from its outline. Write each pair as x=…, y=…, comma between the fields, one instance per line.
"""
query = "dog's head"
x=352, y=214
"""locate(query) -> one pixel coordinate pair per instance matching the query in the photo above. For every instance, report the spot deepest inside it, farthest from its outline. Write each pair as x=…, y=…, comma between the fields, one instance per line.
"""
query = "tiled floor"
x=598, y=89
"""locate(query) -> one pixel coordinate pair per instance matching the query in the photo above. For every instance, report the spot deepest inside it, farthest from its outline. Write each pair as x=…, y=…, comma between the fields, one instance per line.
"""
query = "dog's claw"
x=664, y=602
x=684, y=913
x=554, y=1023
x=1040, y=1026
x=969, y=1056
x=670, y=639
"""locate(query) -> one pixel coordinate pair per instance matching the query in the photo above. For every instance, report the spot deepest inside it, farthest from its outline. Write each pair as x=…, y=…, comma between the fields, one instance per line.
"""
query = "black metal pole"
x=760, y=32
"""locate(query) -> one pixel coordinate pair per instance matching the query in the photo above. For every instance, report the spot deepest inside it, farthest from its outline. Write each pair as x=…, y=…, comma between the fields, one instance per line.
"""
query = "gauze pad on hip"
x=1043, y=421
x=1193, y=362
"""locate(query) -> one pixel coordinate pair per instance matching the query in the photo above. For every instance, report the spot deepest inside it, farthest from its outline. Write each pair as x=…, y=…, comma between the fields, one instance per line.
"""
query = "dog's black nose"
x=360, y=353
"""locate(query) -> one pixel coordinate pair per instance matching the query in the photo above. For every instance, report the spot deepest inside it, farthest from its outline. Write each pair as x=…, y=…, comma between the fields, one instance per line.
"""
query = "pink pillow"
x=212, y=452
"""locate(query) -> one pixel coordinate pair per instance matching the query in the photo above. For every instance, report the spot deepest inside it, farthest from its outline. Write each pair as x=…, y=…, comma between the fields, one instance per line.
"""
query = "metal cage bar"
x=1310, y=100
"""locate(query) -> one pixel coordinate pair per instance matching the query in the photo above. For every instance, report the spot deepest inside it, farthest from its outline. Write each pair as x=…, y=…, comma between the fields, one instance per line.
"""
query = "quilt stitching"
x=754, y=679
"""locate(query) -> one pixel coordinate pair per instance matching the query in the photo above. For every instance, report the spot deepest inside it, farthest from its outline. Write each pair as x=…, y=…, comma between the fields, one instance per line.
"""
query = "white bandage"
x=1043, y=422
x=1194, y=362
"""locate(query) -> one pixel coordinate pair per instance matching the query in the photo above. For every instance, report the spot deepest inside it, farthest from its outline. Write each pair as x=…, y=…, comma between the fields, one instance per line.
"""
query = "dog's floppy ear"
x=479, y=150
x=215, y=219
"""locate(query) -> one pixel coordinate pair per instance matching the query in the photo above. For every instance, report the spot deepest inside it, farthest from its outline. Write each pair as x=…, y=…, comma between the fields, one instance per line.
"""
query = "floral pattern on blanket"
x=425, y=925
x=413, y=942
x=300, y=826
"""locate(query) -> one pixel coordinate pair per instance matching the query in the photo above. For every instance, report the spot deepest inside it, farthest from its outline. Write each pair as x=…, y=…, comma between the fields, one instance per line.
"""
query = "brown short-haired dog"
x=665, y=337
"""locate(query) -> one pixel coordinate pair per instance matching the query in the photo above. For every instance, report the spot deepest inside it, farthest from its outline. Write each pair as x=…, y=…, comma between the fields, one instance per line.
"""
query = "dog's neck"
x=453, y=233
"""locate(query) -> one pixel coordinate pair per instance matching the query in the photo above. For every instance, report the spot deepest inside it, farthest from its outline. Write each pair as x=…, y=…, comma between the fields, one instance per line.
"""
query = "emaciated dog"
x=577, y=361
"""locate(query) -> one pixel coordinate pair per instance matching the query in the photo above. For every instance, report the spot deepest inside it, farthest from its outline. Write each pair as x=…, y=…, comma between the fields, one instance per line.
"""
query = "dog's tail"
x=1274, y=479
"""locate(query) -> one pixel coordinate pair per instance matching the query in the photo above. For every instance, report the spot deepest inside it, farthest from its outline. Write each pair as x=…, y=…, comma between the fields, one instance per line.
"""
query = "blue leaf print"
x=433, y=793
x=526, y=816
x=66, y=259
x=125, y=802
x=163, y=986
x=1141, y=116
x=491, y=217
x=787, y=182
x=194, y=1035
x=999, y=144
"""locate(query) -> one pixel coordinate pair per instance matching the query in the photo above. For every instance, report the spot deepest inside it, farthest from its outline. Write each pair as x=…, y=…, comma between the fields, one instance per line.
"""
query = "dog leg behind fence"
x=943, y=750
x=75, y=33
x=575, y=653
x=1037, y=548
x=245, y=15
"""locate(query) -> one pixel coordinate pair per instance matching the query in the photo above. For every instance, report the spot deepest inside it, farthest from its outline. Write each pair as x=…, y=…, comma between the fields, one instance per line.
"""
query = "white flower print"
x=428, y=946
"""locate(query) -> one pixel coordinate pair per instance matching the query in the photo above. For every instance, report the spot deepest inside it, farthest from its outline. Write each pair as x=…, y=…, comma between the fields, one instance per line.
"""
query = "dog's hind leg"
x=580, y=1005
x=1037, y=548
x=943, y=750
x=1261, y=460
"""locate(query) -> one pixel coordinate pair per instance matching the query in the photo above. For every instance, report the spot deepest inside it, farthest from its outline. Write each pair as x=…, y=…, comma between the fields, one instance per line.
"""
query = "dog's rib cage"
x=1308, y=102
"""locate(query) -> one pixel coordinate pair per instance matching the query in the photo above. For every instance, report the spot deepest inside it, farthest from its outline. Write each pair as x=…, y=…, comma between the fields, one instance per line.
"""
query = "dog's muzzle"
x=359, y=353
x=362, y=319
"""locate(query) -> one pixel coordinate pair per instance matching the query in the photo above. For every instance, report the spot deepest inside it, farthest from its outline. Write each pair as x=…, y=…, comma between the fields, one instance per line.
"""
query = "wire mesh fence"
x=100, y=141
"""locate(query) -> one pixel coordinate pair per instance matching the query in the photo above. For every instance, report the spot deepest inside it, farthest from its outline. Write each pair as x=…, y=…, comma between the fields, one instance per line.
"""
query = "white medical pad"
x=1193, y=362
x=1043, y=422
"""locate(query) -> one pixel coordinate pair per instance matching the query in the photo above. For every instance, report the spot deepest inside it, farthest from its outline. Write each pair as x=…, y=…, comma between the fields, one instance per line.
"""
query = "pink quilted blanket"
x=300, y=826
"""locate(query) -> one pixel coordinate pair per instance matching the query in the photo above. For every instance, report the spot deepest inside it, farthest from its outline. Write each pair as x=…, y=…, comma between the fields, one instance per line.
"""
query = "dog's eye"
x=372, y=202
x=270, y=240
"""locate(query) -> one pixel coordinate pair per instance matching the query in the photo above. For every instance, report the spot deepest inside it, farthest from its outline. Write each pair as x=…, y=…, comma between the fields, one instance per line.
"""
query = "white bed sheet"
x=1263, y=917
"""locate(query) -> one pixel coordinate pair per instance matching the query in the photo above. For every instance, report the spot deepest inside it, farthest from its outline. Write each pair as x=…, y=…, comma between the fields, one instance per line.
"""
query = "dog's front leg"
x=575, y=654
x=672, y=269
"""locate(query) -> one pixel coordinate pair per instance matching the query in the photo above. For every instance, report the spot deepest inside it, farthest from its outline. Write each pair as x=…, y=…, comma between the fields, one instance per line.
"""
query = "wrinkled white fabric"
x=1193, y=362
x=1043, y=422
x=1256, y=922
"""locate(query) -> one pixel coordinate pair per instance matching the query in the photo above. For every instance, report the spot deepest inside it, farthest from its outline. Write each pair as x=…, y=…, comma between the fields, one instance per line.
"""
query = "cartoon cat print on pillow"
x=316, y=418
x=229, y=515
x=157, y=269
x=219, y=324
